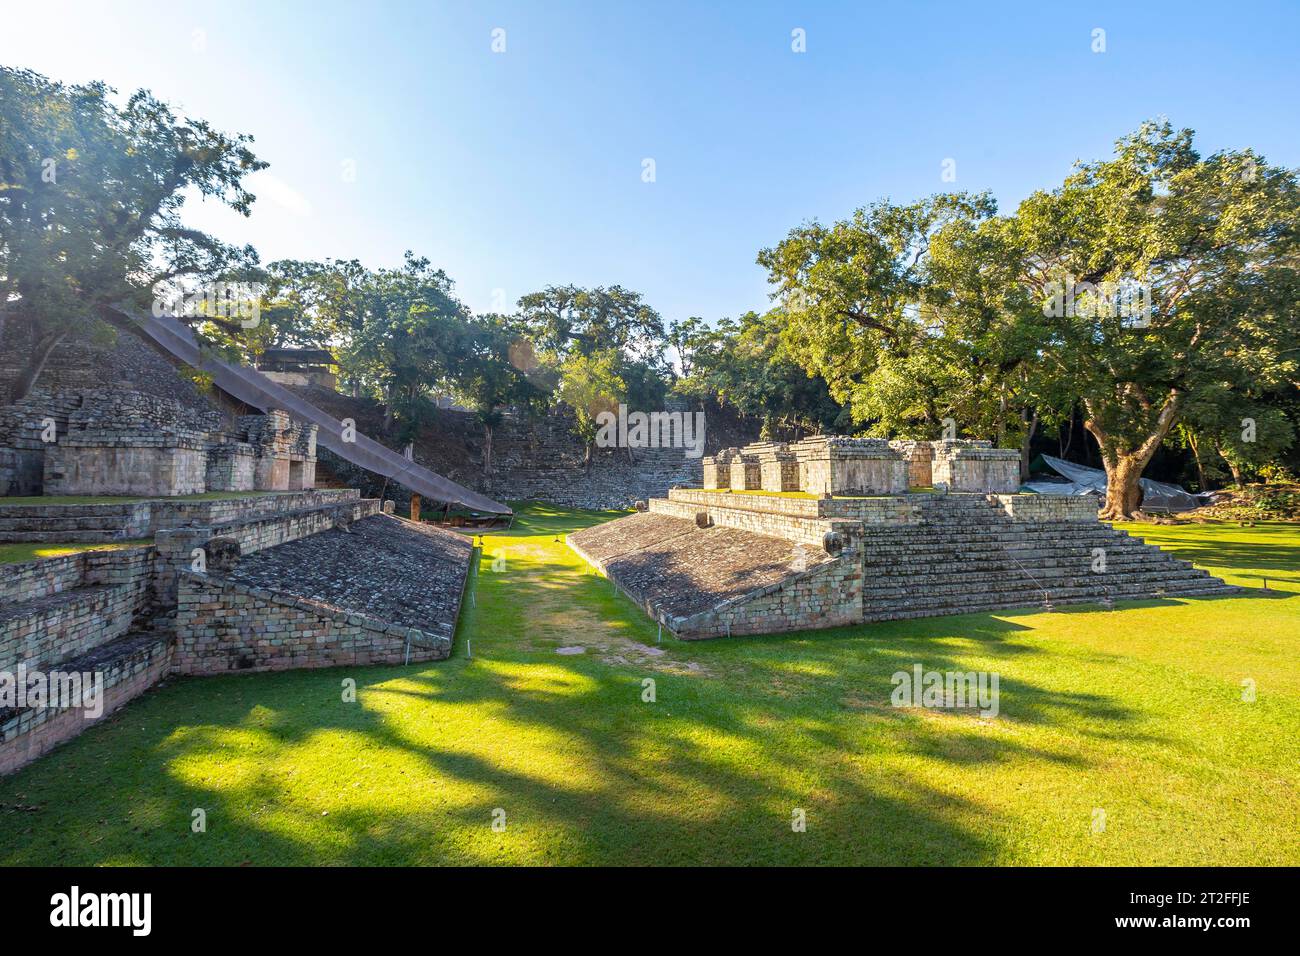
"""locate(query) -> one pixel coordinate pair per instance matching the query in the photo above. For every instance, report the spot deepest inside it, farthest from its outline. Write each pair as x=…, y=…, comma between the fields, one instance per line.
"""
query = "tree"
x=90, y=202
x=487, y=379
x=590, y=384
x=912, y=314
x=747, y=365
x=567, y=319
x=1168, y=278
x=409, y=337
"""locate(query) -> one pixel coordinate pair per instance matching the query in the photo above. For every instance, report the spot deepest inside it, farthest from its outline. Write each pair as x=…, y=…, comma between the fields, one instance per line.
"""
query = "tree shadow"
x=585, y=769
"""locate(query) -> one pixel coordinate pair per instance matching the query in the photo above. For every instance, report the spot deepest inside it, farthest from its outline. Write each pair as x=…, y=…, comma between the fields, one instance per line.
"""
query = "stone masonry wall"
x=826, y=596
x=1039, y=508
x=68, y=619
x=222, y=626
x=27, y=734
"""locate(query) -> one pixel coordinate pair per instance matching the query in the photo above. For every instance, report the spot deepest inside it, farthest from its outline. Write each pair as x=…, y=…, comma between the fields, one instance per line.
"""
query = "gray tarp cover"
x=253, y=388
x=1156, y=495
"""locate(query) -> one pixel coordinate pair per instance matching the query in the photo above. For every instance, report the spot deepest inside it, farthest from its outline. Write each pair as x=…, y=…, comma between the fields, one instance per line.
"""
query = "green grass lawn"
x=16, y=553
x=1137, y=712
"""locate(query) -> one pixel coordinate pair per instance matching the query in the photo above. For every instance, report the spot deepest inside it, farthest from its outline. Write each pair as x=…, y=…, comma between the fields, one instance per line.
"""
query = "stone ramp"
x=382, y=567
x=380, y=590
x=679, y=571
x=253, y=388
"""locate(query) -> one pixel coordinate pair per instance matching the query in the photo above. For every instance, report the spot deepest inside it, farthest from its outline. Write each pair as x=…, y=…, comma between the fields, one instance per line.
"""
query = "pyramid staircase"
x=966, y=554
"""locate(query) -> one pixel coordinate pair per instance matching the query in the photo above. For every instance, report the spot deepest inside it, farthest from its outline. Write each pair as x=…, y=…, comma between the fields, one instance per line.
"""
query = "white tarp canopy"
x=1082, y=480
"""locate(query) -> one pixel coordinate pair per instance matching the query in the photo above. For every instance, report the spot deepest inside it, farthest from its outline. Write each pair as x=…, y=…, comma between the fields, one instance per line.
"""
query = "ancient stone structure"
x=297, y=579
x=746, y=472
x=850, y=466
x=778, y=467
x=975, y=466
x=299, y=367
x=708, y=563
x=920, y=461
x=717, y=469
x=857, y=467
x=127, y=443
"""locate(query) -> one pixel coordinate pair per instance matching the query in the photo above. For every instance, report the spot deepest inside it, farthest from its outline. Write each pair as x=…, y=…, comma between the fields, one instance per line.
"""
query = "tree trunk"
x=1123, y=488
x=1031, y=426
x=487, y=450
x=23, y=387
x=1124, y=466
x=1232, y=467
x=1194, y=445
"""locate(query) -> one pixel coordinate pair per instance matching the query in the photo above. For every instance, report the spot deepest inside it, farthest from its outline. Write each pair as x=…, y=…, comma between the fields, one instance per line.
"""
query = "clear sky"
x=393, y=126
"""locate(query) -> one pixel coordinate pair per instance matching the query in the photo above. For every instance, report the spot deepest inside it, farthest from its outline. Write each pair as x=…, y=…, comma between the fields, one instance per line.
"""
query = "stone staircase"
x=967, y=555
x=84, y=524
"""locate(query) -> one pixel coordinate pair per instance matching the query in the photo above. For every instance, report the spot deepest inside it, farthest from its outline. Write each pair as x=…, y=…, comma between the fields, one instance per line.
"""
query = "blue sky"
x=519, y=169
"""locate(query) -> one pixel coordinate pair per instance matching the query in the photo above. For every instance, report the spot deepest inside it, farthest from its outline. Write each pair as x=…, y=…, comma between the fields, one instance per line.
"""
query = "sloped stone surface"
x=680, y=569
x=384, y=568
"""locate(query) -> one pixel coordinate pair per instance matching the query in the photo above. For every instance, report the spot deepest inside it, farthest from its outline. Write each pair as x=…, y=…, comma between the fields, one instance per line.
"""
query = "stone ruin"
x=305, y=577
x=860, y=467
x=114, y=442
x=879, y=530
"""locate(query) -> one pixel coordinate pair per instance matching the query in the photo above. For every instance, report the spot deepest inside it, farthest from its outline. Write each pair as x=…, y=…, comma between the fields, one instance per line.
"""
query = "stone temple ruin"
x=839, y=531
x=296, y=576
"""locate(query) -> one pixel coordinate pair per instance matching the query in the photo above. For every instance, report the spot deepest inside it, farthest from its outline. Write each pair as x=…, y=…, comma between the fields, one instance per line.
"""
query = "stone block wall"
x=717, y=471
x=827, y=595
x=29, y=733
x=222, y=626
x=231, y=467
x=158, y=465
x=73, y=606
x=746, y=473
x=1040, y=508
x=22, y=471
x=976, y=467
x=920, y=460
x=779, y=472
x=30, y=580
x=804, y=530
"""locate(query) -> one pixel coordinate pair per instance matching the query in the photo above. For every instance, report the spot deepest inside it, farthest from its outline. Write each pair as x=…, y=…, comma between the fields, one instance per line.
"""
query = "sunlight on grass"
x=1137, y=711
x=17, y=553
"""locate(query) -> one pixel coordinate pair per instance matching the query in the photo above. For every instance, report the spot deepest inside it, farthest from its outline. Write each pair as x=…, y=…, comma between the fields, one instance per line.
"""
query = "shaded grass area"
x=17, y=553
x=1137, y=712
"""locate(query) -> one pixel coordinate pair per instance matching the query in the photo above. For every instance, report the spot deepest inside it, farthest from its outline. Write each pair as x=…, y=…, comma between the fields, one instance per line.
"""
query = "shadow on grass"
x=587, y=771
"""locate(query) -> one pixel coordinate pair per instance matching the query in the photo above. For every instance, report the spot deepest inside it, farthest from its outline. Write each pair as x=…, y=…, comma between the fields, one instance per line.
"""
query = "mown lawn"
x=16, y=553
x=1137, y=714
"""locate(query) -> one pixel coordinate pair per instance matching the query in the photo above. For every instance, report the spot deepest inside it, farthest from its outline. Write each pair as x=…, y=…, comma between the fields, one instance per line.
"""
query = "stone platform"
x=304, y=579
x=706, y=563
x=381, y=590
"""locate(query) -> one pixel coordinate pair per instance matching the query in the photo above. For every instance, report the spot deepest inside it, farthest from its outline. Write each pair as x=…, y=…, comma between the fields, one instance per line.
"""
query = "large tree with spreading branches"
x=91, y=194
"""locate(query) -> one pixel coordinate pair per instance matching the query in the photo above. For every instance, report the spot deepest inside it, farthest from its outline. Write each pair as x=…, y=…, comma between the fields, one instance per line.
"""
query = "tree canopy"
x=91, y=195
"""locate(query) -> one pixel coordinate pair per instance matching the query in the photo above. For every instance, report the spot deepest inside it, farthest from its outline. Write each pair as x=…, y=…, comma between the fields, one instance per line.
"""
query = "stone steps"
x=967, y=555
x=45, y=630
x=905, y=612
x=1060, y=586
